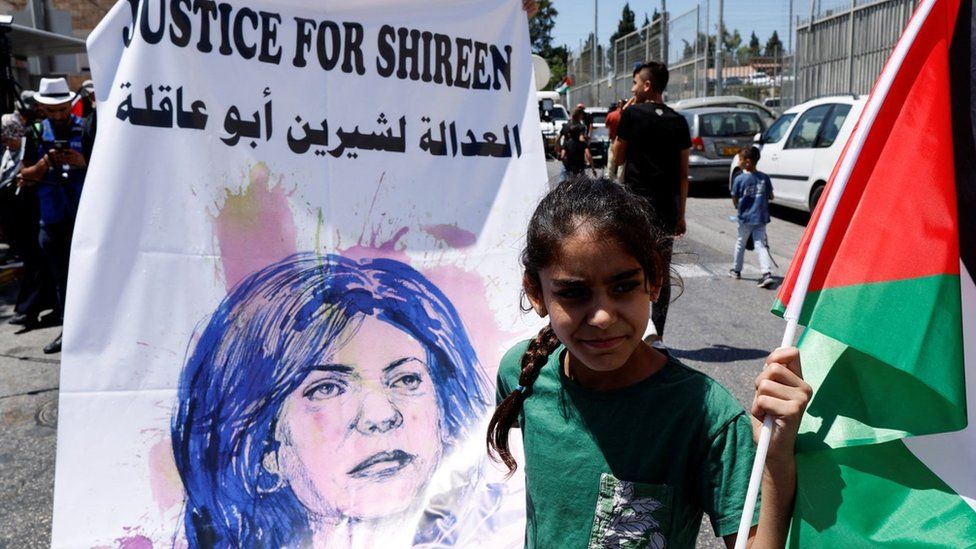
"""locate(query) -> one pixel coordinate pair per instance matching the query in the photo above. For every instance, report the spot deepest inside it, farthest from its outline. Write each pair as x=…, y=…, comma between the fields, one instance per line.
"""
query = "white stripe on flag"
x=951, y=455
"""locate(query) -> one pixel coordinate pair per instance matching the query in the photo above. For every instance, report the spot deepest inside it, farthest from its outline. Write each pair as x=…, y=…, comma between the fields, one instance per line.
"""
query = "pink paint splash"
x=466, y=289
x=375, y=247
x=164, y=478
x=468, y=293
x=452, y=235
x=254, y=227
x=134, y=542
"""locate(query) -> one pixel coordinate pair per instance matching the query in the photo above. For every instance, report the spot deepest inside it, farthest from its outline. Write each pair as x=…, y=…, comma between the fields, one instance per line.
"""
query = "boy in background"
x=751, y=192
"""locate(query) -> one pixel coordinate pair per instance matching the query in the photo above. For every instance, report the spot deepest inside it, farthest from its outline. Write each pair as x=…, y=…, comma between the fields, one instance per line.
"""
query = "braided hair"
x=601, y=207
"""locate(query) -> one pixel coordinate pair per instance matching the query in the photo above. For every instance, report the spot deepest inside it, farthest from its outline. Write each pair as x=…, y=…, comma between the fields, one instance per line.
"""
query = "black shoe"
x=54, y=346
x=735, y=274
x=766, y=281
x=19, y=320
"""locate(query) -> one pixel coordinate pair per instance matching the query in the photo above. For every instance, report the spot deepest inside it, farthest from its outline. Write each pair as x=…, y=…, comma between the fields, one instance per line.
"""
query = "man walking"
x=653, y=140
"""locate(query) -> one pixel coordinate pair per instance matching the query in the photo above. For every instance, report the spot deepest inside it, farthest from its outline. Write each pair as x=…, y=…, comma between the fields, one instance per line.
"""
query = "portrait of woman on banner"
x=318, y=401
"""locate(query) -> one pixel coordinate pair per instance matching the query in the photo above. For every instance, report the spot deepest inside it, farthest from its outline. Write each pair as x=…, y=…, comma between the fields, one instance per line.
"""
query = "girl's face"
x=360, y=436
x=596, y=299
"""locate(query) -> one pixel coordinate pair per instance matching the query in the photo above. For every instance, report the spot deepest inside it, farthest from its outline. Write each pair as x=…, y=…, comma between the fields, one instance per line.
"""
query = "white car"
x=800, y=149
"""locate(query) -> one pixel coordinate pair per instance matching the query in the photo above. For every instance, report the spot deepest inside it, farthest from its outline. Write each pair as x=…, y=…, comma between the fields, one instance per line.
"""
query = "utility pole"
x=697, y=32
x=789, y=46
x=850, y=49
x=708, y=28
x=807, y=51
x=718, y=48
x=664, y=31
x=596, y=41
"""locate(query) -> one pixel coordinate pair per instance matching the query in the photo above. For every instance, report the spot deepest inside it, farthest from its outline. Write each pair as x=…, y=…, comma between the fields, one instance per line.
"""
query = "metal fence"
x=614, y=73
x=840, y=46
x=843, y=51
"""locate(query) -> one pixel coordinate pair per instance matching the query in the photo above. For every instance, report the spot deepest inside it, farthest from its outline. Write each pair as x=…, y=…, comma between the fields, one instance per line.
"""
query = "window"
x=766, y=115
x=804, y=135
x=730, y=124
x=559, y=113
x=835, y=121
x=777, y=131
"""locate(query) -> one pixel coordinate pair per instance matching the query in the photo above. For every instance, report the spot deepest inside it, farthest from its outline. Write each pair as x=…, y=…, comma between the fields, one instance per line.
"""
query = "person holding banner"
x=317, y=403
x=649, y=443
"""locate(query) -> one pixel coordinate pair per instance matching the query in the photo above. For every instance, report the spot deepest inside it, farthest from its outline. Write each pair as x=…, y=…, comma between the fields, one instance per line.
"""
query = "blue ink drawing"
x=320, y=396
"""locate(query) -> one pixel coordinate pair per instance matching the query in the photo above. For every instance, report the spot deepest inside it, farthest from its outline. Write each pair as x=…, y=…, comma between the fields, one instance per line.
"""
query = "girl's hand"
x=781, y=393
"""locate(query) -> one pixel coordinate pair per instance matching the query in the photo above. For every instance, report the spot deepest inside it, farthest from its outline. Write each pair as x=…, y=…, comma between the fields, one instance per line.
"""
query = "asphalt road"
x=718, y=325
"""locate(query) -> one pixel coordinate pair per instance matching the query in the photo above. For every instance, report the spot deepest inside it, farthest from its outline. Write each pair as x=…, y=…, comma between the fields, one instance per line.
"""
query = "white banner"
x=294, y=273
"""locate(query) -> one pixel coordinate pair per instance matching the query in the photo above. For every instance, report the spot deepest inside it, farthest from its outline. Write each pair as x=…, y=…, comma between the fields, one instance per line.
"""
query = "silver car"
x=717, y=136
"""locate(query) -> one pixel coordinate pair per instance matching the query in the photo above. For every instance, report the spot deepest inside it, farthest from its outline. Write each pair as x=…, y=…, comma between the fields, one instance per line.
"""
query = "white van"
x=800, y=149
x=552, y=117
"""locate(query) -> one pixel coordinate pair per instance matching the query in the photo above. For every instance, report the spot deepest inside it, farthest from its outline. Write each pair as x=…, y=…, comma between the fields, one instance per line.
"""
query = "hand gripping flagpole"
x=828, y=209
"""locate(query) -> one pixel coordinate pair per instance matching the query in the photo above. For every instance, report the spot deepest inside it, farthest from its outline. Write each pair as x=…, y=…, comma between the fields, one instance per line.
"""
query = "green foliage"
x=540, y=27
x=540, y=33
x=626, y=24
x=774, y=46
x=731, y=42
x=755, y=49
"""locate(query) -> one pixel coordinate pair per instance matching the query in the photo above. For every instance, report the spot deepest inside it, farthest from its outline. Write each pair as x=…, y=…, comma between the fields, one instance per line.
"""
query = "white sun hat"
x=53, y=91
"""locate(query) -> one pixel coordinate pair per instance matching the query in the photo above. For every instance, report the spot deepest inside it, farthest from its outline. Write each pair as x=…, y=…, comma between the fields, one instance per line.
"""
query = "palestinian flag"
x=887, y=449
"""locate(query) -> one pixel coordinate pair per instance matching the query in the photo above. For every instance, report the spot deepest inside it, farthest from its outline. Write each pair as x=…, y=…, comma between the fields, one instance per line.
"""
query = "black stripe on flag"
x=962, y=76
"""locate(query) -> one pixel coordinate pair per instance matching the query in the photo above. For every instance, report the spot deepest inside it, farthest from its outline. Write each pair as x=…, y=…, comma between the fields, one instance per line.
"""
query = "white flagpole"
x=829, y=208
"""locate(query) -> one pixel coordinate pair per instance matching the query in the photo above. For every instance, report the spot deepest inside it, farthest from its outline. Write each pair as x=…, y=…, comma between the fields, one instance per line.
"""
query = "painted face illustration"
x=323, y=390
x=360, y=436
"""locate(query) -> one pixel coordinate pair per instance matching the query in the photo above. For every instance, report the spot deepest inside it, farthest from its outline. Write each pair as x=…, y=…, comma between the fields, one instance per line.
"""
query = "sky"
x=575, y=20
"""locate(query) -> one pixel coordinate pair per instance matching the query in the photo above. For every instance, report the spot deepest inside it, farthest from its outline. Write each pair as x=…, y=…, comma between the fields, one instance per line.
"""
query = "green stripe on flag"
x=876, y=495
x=897, y=350
x=859, y=399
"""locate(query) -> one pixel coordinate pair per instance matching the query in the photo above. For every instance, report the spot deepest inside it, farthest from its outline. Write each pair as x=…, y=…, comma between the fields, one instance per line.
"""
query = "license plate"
x=730, y=151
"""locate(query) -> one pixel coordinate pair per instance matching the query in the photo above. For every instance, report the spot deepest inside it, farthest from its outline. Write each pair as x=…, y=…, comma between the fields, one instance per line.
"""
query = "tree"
x=557, y=65
x=755, y=49
x=540, y=33
x=731, y=42
x=540, y=27
x=646, y=21
x=625, y=25
x=774, y=46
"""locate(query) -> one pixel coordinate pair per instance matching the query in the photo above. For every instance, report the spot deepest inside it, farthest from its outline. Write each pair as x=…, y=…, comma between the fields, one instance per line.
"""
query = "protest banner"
x=293, y=274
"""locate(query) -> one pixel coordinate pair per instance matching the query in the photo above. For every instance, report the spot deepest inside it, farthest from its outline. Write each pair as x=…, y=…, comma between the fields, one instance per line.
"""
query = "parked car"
x=599, y=135
x=717, y=135
x=732, y=101
x=759, y=78
x=800, y=149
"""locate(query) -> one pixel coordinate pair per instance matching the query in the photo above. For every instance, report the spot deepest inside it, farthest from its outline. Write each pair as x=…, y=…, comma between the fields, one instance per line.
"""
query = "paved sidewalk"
x=28, y=421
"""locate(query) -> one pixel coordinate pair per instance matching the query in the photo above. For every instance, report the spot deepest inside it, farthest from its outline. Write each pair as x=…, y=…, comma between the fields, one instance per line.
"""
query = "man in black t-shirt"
x=653, y=140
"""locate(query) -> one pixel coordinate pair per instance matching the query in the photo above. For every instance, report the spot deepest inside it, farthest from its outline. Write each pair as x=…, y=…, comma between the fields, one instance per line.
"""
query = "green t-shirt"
x=633, y=467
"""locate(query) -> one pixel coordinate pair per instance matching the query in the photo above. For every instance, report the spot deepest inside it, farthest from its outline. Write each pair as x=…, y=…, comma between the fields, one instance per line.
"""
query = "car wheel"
x=815, y=195
x=735, y=173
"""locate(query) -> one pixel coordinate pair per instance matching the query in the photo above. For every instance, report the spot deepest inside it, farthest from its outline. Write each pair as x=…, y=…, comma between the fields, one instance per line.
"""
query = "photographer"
x=55, y=164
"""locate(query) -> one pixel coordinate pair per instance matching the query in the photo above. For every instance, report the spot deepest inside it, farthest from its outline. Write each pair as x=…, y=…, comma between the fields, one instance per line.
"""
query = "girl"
x=624, y=445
